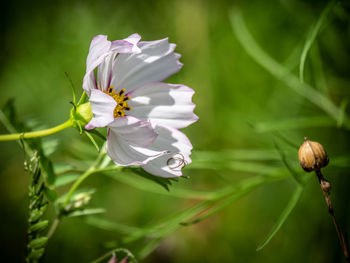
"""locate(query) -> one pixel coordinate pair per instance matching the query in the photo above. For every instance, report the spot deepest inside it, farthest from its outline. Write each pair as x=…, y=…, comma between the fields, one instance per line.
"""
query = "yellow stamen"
x=121, y=101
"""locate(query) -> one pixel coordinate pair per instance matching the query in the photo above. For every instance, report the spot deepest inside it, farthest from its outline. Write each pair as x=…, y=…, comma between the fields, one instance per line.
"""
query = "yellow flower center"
x=121, y=99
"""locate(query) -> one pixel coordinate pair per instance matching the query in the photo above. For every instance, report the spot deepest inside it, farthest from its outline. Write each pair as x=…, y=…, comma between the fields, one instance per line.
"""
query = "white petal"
x=102, y=106
x=127, y=45
x=156, y=62
x=127, y=137
x=99, y=48
x=134, y=131
x=180, y=147
x=104, y=72
x=163, y=104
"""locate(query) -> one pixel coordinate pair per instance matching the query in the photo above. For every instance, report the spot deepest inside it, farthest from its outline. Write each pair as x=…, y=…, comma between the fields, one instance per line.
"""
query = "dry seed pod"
x=312, y=156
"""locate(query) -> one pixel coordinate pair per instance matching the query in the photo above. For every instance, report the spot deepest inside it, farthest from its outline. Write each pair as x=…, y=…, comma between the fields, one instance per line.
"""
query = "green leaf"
x=82, y=98
x=98, y=134
x=50, y=194
x=283, y=217
x=147, y=185
x=37, y=213
x=65, y=179
x=158, y=231
x=237, y=155
x=164, y=182
x=236, y=192
x=311, y=38
x=40, y=226
x=88, y=192
x=279, y=71
x=49, y=145
x=38, y=242
x=295, y=123
x=72, y=86
x=148, y=248
x=86, y=212
x=342, y=114
x=295, y=175
x=240, y=166
x=111, y=226
x=248, y=161
x=62, y=168
x=170, y=223
x=9, y=118
x=47, y=167
x=36, y=253
x=11, y=121
x=92, y=140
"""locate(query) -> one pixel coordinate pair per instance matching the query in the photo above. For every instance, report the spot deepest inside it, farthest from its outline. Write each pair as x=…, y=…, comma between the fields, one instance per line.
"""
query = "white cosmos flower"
x=142, y=113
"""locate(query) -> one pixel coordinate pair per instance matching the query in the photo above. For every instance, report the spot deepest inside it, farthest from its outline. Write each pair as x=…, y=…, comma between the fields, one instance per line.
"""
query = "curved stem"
x=34, y=134
x=53, y=228
x=82, y=178
x=76, y=185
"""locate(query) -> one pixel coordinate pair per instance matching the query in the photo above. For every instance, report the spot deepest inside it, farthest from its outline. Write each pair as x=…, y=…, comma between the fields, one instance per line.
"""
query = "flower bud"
x=84, y=111
x=312, y=156
x=82, y=114
x=81, y=199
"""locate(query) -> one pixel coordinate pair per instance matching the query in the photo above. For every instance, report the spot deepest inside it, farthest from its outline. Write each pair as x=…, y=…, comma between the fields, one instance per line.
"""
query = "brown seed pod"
x=312, y=156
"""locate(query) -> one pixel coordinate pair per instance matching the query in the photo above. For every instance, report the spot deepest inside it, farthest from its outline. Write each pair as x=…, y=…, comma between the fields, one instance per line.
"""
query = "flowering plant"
x=142, y=114
x=136, y=119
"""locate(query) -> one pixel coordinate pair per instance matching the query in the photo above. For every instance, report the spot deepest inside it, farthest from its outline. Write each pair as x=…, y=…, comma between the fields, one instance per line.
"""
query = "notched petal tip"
x=127, y=45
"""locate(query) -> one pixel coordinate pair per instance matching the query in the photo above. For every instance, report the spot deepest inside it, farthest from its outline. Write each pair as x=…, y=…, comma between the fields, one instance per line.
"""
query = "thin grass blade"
x=283, y=217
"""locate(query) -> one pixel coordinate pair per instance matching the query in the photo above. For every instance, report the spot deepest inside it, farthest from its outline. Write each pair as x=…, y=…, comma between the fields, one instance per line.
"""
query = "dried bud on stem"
x=325, y=185
x=312, y=156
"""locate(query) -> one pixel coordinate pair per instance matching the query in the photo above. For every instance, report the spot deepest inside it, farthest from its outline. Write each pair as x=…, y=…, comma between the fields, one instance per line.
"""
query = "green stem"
x=34, y=134
x=83, y=177
x=76, y=185
x=53, y=228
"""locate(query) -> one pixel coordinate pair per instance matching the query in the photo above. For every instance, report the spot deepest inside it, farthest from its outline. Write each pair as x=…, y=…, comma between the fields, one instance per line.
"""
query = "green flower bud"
x=81, y=115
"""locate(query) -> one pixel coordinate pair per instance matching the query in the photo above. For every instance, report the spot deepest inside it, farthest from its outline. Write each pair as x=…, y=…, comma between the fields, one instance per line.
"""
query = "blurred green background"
x=240, y=104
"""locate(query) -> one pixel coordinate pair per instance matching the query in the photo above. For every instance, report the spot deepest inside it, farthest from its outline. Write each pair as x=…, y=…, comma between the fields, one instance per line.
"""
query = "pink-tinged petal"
x=134, y=131
x=127, y=139
x=113, y=259
x=102, y=106
x=124, y=260
x=179, y=147
x=89, y=82
x=156, y=62
x=164, y=104
x=127, y=45
x=99, y=48
x=104, y=72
